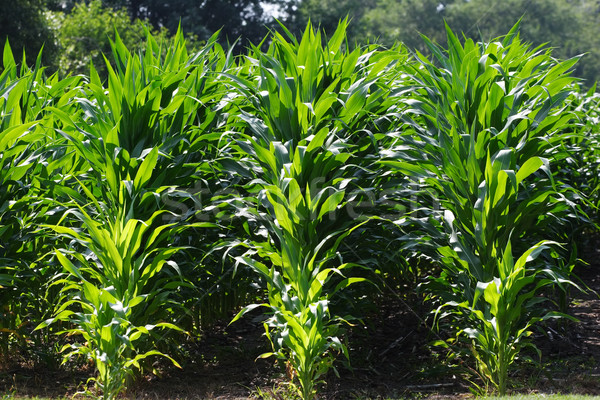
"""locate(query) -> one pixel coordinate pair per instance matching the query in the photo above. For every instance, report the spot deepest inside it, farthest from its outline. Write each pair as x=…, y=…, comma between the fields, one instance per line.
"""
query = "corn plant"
x=307, y=122
x=127, y=144
x=26, y=165
x=580, y=169
x=15, y=143
x=500, y=312
x=482, y=131
x=115, y=278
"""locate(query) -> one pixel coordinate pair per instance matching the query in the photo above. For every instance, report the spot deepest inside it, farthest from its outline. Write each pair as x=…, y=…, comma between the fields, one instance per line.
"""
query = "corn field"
x=184, y=188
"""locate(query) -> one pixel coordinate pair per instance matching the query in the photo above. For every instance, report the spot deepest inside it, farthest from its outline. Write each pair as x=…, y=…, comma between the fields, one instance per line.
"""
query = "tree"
x=561, y=24
x=84, y=35
x=23, y=23
x=245, y=19
x=569, y=26
x=326, y=14
x=557, y=22
x=589, y=43
x=405, y=20
x=60, y=5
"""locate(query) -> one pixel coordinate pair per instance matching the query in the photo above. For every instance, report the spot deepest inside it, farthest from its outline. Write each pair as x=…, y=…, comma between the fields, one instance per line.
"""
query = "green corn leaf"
x=331, y=203
x=529, y=167
x=68, y=265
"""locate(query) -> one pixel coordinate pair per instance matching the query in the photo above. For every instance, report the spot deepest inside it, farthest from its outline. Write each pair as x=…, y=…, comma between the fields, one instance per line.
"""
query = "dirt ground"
x=390, y=359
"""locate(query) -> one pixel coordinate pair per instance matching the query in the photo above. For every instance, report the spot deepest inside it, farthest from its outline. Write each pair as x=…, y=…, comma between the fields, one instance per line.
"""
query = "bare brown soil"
x=389, y=352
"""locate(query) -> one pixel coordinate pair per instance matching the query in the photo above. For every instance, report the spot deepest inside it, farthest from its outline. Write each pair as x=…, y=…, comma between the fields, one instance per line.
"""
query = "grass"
x=279, y=393
x=546, y=396
x=11, y=396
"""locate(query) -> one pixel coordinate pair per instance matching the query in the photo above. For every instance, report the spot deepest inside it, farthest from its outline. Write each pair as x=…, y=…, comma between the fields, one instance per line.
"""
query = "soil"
x=390, y=353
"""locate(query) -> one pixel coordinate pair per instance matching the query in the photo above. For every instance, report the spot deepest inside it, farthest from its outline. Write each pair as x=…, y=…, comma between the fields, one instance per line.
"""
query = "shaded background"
x=73, y=32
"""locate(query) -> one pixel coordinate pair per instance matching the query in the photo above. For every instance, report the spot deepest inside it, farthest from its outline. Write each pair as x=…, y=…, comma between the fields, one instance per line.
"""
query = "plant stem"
x=502, y=370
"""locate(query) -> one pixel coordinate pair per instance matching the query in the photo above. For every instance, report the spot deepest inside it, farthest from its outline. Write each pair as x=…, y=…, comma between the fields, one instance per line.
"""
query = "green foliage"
x=485, y=127
x=580, y=170
x=124, y=144
x=85, y=33
x=502, y=313
x=159, y=197
x=27, y=162
x=240, y=19
x=113, y=290
x=392, y=20
x=568, y=27
x=559, y=23
x=327, y=15
x=307, y=121
x=24, y=24
x=542, y=21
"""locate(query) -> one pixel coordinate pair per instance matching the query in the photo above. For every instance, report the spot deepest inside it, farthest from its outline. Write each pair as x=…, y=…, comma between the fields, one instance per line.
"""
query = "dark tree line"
x=572, y=27
x=24, y=23
x=244, y=19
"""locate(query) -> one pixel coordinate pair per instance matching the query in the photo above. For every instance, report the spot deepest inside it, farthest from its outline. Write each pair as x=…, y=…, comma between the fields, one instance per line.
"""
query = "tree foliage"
x=556, y=22
x=83, y=26
x=23, y=22
x=405, y=21
x=570, y=27
x=326, y=14
x=245, y=19
x=85, y=34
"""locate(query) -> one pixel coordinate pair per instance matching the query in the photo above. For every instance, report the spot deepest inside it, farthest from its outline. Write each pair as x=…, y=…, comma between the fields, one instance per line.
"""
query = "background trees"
x=560, y=23
x=327, y=13
x=76, y=31
x=25, y=25
x=86, y=31
x=405, y=21
x=243, y=19
x=570, y=27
